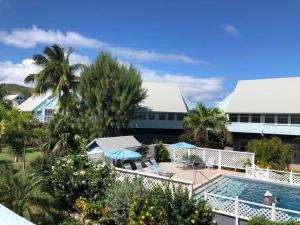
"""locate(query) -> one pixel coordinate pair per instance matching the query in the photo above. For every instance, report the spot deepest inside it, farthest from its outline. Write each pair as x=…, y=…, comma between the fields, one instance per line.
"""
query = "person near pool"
x=267, y=198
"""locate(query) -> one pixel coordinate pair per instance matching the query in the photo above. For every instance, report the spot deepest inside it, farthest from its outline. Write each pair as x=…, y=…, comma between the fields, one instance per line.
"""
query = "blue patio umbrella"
x=122, y=154
x=182, y=146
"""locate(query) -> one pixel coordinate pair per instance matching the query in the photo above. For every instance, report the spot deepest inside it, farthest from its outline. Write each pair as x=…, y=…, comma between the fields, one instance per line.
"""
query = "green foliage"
x=168, y=206
x=63, y=136
x=23, y=194
x=119, y=198
x=161, y=153
x=73, y=176
x=17, y=89
x=263, y=221
x=70, y=222
x=57, y=75
x=94, y=210
x=143, y=150
x=202, y=121
x=272, y=153
x=110, y=94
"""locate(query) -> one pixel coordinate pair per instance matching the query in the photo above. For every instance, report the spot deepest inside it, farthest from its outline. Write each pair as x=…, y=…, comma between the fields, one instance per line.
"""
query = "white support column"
x=236, y=210
x=191, y=191
x=273, y=212
x=189, y=153
x=291, y=177
x=204, y=151
x=220, y=158
x=205, y=195
x=246, y=171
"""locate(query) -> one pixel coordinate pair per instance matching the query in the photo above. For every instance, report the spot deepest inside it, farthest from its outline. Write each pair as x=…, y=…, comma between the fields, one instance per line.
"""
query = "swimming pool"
x=252, y=190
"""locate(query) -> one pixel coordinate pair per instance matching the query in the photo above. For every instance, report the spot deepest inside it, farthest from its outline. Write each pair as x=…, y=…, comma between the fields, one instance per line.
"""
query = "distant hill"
x=18, y=89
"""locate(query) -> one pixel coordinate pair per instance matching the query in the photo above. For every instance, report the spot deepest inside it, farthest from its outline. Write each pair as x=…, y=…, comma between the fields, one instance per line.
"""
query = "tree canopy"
x=110, y=94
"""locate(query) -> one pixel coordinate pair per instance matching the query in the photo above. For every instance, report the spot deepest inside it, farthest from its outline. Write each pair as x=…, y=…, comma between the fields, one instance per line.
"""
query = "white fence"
x=273, y=175
x=245, y=210
x=152, y=180
x=221, y=158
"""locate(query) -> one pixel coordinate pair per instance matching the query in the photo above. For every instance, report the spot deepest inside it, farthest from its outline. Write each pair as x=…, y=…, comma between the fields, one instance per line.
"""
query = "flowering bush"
x=74, y=176
x=168, y=206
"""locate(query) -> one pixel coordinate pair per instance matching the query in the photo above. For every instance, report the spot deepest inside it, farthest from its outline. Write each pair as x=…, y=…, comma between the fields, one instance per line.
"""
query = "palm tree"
x=57, y=75
x=202, y=119
x=23, y=194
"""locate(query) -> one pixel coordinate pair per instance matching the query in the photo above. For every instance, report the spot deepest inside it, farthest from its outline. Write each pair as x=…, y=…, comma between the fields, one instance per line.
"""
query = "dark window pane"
x=171, y=116
x=270, y=118
x=255, y=118
x=295, y=119
x=151, y=116
x=244, y=118
x=179, y=117
x=233, y=117
x=282, y=119
x=142, y=116
x=244, y=146
x=49, y=112
x=162, y=116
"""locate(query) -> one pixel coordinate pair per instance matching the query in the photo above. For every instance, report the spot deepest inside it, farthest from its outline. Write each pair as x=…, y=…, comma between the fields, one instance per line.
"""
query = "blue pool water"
x=252, y=190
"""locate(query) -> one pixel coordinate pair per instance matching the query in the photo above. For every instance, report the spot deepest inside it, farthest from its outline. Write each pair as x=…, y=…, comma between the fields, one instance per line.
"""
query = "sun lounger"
x=127, y=166
x=159, y=168
x=210, y=162
x=139, y=167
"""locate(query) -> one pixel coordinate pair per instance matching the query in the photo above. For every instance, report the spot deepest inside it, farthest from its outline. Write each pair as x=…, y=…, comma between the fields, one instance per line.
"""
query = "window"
x=244, y=146
x=162, y=116
x=255, y=118
x=244, y=118
x=179, y=117
x=48, y=114
x=233, y=117
x=270, y=118
x=141, y=116
x=295, y=119
x=282, y=119
x=171, y=116
x=151, y=116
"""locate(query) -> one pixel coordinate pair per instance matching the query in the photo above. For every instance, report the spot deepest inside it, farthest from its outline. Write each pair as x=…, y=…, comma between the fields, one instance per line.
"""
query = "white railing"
x=273, y=175
x=245, y=210
x=221, y=158
x=152, y=180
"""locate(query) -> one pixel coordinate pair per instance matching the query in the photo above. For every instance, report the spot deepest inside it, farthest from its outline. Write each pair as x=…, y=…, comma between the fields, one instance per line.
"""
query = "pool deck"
x=199, y=176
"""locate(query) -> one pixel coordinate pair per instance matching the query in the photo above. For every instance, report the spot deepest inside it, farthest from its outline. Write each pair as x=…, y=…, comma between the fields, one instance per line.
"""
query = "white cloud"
x=29, y=38
x=193, y=89
x=231, y=30
x=16, y=72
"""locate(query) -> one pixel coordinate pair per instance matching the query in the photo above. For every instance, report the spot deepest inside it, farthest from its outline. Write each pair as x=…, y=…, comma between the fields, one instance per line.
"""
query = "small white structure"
x=8, y=217
x=15, y=99
x=109, y=143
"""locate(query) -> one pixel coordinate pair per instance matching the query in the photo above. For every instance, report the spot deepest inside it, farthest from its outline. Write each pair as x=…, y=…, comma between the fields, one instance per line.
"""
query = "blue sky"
x=204, y=46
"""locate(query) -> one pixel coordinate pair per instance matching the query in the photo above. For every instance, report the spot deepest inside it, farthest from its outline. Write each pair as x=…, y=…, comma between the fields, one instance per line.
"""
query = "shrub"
x=70, y=222
x=168, y=206
x=263, y=221
x=272, y=153
x=143, y=150
x=119, y=198
x=74, y=176
x=161, y=153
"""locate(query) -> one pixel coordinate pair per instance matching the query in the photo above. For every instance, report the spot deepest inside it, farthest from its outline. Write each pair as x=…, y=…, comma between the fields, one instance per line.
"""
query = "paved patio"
x=198, y=176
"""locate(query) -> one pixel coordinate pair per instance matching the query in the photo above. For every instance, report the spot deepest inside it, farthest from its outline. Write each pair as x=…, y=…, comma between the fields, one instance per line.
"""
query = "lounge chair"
x=180, y=163
x=139, y=167
x=151, y=167
x=210, y=162
x=127, y=166
x=159, y=168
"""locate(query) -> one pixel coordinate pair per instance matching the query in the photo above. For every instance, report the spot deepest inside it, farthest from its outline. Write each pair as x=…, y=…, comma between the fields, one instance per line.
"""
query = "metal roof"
x=34, y=101
x=278, y=95
x=8, y=217
x=163, y=97
x=109, y=143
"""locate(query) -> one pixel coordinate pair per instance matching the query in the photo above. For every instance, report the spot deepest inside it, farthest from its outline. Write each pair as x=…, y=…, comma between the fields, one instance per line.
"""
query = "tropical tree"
x=23, y=194
x=7, y=104
x=110, y=95
x=202, y=120
x=272, y=152
x=56, y=75
x=16, y=129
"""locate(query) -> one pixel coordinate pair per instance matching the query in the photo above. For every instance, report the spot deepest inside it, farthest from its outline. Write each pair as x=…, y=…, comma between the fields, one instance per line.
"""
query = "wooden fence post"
x=205, y=195
x=291, y=177
x=220, y=157
x=267, y=173
x=273, y=212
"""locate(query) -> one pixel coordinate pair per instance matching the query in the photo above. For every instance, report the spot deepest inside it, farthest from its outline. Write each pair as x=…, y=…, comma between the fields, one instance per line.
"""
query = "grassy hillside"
x=18, y=89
